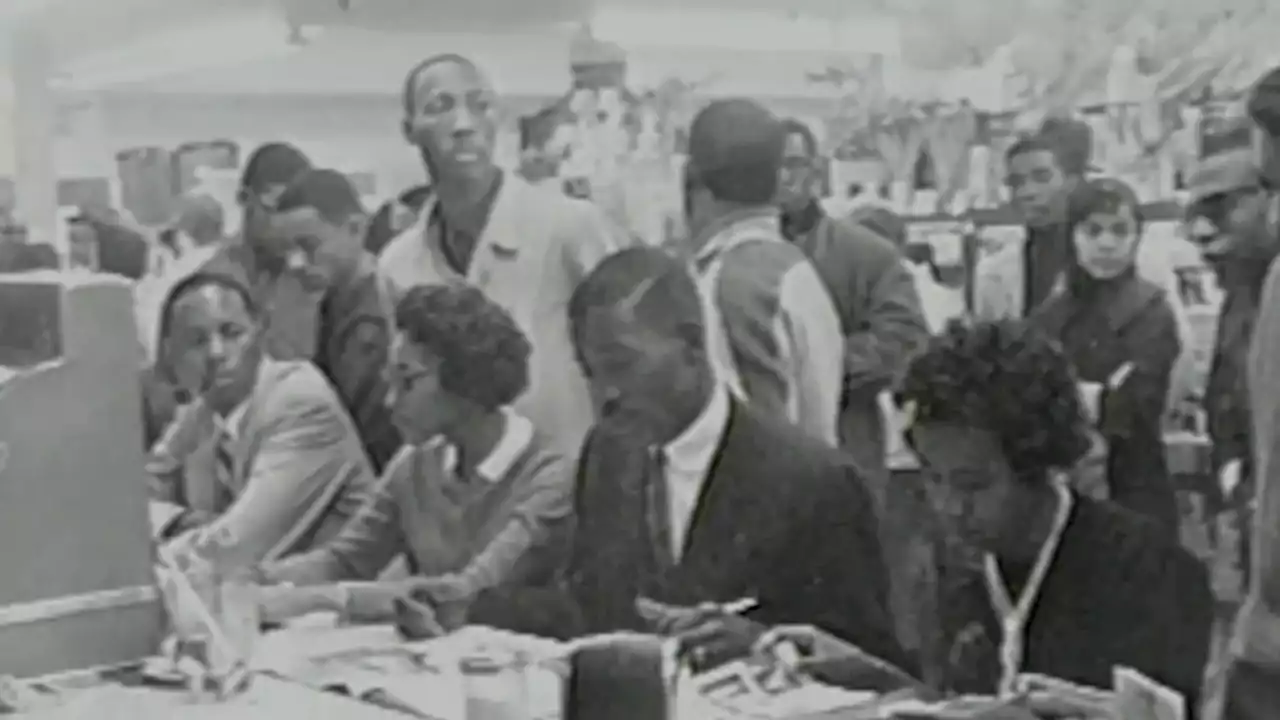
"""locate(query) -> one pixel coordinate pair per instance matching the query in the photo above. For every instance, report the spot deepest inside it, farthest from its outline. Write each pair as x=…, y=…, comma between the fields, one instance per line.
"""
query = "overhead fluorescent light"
x=212, y=44
x=747, y=30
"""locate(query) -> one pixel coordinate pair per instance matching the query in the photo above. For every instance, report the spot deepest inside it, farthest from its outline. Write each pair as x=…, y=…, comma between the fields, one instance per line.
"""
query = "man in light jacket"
x=773, y=332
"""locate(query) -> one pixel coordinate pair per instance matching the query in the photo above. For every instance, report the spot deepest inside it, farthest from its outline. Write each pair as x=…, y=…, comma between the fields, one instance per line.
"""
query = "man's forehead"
x=1033, y=159
x=299, y=219
x=210, y=299
x=450, y=76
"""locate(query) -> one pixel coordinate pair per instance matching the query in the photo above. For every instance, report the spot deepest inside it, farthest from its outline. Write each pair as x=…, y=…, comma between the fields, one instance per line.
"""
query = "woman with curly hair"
x=477, y=497
x=1121, y=334
x=1047, y=581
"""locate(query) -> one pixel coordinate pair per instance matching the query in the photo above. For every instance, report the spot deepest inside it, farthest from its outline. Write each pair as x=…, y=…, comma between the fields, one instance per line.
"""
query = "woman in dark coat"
x=995, y=417
x=1121, y=334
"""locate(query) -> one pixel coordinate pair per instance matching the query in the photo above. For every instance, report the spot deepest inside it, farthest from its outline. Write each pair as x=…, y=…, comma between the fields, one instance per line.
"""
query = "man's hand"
x=833, y=660
x=192, y=424
x=708, y=635
x=449, y=596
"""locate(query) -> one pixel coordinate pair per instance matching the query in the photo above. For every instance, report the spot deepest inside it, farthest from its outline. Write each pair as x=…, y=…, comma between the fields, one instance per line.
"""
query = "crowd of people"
x=563, y=431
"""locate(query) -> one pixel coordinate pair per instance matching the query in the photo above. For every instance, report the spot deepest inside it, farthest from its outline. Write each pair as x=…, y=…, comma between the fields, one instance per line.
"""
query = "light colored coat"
x=536, y=247
x=300, y=471
x=773, y=332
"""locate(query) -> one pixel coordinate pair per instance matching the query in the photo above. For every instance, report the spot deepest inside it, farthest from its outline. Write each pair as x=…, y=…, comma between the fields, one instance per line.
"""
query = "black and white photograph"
x=639, y=359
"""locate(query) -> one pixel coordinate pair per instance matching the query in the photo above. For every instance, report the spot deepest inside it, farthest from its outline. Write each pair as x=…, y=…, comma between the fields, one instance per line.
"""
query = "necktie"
x=224, y=465
x=657, y=509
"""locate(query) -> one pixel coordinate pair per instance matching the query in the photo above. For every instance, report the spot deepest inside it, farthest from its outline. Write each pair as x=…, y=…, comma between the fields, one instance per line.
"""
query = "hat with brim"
x=1223, y=173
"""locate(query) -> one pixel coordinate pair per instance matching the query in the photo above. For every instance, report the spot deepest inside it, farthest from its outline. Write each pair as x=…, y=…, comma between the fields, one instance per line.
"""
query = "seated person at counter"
x=1043, y=580
x=262, y=454
x=477, y=498
x=687, y=499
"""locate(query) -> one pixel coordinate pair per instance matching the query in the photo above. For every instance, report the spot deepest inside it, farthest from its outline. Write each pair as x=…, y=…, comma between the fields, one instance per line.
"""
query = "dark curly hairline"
x=484, y=356
x=1009, y=379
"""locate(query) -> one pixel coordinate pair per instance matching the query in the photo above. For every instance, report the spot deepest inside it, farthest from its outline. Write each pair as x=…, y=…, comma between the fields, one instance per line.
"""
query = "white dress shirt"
x=688, y=462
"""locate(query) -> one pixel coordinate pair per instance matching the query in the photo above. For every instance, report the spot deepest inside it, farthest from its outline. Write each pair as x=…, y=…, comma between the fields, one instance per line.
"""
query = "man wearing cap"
x=1252, y=691
x=1226, y=219
x=527, y=247
x=773, y=330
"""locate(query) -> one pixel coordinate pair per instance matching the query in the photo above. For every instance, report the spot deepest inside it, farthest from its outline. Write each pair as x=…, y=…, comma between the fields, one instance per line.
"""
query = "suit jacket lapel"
x=718, y=519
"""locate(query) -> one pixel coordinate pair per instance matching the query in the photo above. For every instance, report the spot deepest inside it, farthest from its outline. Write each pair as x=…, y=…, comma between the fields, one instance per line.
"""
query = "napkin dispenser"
x=622, y=677
x=75, y=550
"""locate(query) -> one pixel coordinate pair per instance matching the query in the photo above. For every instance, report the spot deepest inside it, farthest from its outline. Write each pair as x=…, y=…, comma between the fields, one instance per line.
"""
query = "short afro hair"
x=1010, y=379
x=483, y=354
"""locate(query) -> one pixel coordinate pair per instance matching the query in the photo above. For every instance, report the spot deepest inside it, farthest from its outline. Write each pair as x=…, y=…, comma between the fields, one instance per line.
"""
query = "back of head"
x=328, y=192
x=272, y=164
x=641, y=284
x=1072, y=142
x=735, y=151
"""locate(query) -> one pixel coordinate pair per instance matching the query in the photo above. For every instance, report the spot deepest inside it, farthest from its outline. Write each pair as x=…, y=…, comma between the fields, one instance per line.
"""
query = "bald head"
x=735, y=151
x=201, y=217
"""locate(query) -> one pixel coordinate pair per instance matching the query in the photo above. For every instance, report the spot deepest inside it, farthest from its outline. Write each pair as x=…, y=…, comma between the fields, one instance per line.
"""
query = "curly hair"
x=484, y=356
x=1010, y=379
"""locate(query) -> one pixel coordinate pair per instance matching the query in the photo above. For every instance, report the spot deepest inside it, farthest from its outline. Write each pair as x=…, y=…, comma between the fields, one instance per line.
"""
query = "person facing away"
x=874, y=294
x=1042, y=170
x=686, y=497
x=478, y=498
x=1251, y=691
x=1120, y=333
x=526, y=247
x=261, y=453
x=1038, y=578
x=774, y=333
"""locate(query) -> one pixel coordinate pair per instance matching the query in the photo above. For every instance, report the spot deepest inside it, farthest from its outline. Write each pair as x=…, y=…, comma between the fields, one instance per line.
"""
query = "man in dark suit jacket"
x=688, y=497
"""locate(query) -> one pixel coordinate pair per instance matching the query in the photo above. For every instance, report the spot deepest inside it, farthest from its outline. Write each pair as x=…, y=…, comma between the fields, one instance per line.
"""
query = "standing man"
x=874, y=293
x=883, y=325
x=1042, y=172
x=527, y=247
x=773, y=332
x=1252, y=690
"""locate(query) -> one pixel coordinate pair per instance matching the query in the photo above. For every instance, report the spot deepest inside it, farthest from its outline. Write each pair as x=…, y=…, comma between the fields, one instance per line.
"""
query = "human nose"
x=465, y=121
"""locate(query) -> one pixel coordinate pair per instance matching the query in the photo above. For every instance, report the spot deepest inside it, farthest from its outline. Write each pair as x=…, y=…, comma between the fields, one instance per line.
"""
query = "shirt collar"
x=517, y=434
x=230, y=423
x=716, y=236
x=693, y=448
